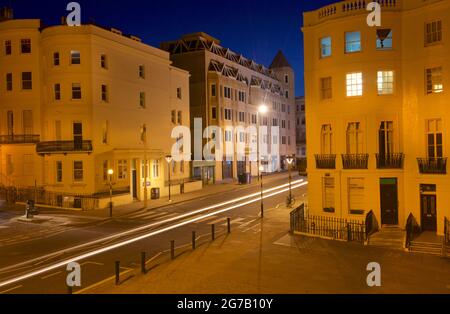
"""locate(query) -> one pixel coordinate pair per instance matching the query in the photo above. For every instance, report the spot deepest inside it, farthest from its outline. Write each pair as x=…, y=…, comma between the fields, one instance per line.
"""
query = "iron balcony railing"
x=432, y=165
x=390, y=161
x=355, y=161
x=19, y=139
x=325, y=161
x=64, y=147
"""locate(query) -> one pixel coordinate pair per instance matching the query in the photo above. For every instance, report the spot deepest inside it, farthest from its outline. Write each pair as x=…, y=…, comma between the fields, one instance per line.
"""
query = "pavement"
x=263, y=258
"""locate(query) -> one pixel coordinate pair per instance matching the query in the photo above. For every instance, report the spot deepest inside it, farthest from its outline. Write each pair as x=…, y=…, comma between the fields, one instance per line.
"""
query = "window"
x=104, y=62
x=283, y=140
x=435, y=139
x=384, y=39
x=142, y=71
x=57, y=91
x=76, y=91
x=287, y=94
x=325, y=47
x=122, y=169
x=27, y=121
x=241, y=137
x=356, y=196
x=434, y=80
x=355, y=141
x=289, y=109
x=56, y=61
x=105, y=97
x=228, y=136
x=327, y=140
x=286, y=79
x=9, y=81
x=326, y=91
x=25, y=45
x=75, y=57
x=241, y=116
x=59, y=172
x=227, y=92
x=213, y=90
x=214, y=113
x=142, y=100
x=328, y=195
x=354, y=84
x=144, y=133
x=27, y=82
x=180, y=117
x=155, y=169
x=275, y=122
x=283, y=124
x=265, y=121
x=433, y=32
x=10, y=122
x=275, y=140
x=385, y=82
x=78, y=175
x=283, y=108
x=254, y=119
x=105, y=170
x=105, y=132
x=179, y=93
x=352, y=42
x=174, y=117
x=242, y=96
x=386, y=138
x=228, y=114
x=8, y=48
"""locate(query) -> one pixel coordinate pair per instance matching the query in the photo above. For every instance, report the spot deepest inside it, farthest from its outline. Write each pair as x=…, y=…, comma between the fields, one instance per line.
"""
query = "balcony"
x=19, y=139
x=64, y=147
x=302, y=165
x=390, y=161
x=326, y=161
x=432, y=165
x=355, y=161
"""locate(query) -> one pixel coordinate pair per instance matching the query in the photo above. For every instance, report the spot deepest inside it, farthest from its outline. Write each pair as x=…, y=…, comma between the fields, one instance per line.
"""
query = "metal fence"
x=328, y=227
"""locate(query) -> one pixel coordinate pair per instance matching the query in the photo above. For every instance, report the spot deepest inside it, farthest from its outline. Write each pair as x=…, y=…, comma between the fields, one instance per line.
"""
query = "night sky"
x=255, y=28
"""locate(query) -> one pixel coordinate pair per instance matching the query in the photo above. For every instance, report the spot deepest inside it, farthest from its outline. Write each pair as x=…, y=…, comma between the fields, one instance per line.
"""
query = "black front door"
x=429, y=212
x=389, y=201
x=78, y=136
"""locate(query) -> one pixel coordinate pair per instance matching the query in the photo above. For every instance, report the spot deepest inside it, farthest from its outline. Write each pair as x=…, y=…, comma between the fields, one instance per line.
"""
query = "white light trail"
x=154, y=233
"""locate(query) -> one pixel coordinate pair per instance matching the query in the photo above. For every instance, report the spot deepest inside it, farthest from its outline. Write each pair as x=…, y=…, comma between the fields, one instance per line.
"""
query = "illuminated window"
x=325, y=47
x=385, y=82
x=434, y=80
x=122, y=169
x=352, y=42
x=354, y=84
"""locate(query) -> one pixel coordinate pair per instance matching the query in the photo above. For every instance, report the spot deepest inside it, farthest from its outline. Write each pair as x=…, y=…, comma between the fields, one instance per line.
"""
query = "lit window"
x=433, y=32
x=385, y=82
x=122, y=169
x=76, y=91
x=384, y=39
x=325, y=47
x=75, y=57
x=434, y=80
x=27, y=83
x=326, y=91
x=25, y=45
x=354, y=84
x=156, y=169
x=352, y=42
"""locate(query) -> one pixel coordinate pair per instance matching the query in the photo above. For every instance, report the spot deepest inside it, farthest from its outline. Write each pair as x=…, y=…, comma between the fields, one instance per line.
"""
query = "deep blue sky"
x=255, y=28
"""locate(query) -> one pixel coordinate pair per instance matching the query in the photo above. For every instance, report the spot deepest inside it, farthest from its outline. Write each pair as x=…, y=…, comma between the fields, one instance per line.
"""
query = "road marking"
x=279, y=190
x=51, y=275
x=205, y=219
x=9, y=290
x=215, y=222
x=92, y=263
x=149, y=214
x=248, y=223
x=101, y=282
x=235, y=221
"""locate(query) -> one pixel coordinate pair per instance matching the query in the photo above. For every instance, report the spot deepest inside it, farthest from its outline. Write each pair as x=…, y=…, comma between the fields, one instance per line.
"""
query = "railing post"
x=143, y=262
x=194, y=238
x=349, y=232
x=117, y=271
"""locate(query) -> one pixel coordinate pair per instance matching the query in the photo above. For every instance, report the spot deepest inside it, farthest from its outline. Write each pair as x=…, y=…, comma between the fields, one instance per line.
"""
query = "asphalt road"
x=15, y=259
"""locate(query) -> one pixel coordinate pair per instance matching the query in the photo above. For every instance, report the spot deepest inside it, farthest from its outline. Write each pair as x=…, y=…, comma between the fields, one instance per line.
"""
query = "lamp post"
x=290, y=161
x=110, y=174
x=169, y=160
x=261, y=169
x=262, y=109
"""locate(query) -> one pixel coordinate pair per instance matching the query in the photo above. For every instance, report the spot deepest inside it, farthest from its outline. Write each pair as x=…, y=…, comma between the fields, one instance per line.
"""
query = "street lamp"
x=290, y=161
x=262, y=110
x=110, y=174
x=261, y=169
x=169, y=160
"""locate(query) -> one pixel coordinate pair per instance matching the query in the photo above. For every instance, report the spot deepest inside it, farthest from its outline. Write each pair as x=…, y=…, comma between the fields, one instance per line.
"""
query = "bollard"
x=117, y=273
x=229, y=225
x=194, y=238
x=69, y=290
x=172, y=250
x=213, y=232
x=143, y=261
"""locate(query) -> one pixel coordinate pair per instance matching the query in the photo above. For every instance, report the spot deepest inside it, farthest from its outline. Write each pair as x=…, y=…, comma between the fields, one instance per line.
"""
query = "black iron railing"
x=412, y=230
x=355, y=161
x=64, y=147
x=432, y=165
x=390, y=161
x=447, y=231
x=19, y=139
x=371, y=224
x=328, y=227
x=325, y=161
x=302, y=165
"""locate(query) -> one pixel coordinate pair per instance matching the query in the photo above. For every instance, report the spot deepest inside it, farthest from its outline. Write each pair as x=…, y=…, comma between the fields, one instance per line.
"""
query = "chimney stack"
x=6, y=13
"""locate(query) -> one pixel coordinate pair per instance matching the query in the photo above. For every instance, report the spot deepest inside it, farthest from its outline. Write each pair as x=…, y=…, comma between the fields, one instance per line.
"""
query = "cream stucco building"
x=78, y=101
x=378, y=114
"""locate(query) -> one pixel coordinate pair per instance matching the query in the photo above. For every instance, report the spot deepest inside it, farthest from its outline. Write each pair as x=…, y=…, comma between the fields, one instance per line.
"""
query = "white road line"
x=217, y=221
x=148, y=214
x=235, y=221
x=150, y=234
x=51, y=275
x=205, y=220
x=9, y=290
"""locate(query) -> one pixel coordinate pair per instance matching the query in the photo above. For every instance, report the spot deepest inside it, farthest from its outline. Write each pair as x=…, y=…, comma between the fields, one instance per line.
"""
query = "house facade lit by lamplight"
x=378, y=118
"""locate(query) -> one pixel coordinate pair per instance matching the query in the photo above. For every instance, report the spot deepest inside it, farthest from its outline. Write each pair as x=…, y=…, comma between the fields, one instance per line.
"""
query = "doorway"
x=389, y=201
x=428, y=207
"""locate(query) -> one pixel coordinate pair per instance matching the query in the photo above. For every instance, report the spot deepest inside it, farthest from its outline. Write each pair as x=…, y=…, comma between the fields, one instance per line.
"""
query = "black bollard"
x=172, y=249
x=194, y=238
x=143, y=261
x=213, y=232
x=229, y=225
x=117, y=273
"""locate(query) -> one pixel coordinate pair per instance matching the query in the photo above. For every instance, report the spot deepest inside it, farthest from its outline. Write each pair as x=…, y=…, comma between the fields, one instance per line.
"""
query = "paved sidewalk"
x=264, y=258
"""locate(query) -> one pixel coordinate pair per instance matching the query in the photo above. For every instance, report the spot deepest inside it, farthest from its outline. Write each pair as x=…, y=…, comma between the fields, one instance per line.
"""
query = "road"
x=42, y=262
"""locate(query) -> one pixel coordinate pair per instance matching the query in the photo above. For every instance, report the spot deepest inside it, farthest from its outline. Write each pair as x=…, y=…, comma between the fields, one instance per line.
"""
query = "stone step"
x=426, y=245
x=436, y=252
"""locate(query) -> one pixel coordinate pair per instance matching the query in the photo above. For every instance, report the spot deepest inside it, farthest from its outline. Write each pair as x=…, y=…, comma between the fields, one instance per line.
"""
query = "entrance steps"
x=388, y=238
x=426, y=248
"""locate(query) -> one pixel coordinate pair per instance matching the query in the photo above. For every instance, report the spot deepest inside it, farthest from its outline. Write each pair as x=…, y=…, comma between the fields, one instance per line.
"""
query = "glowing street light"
x=169, y=160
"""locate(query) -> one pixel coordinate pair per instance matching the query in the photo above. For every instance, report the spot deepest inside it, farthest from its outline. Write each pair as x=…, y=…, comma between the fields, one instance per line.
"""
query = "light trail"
x=151, y=234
